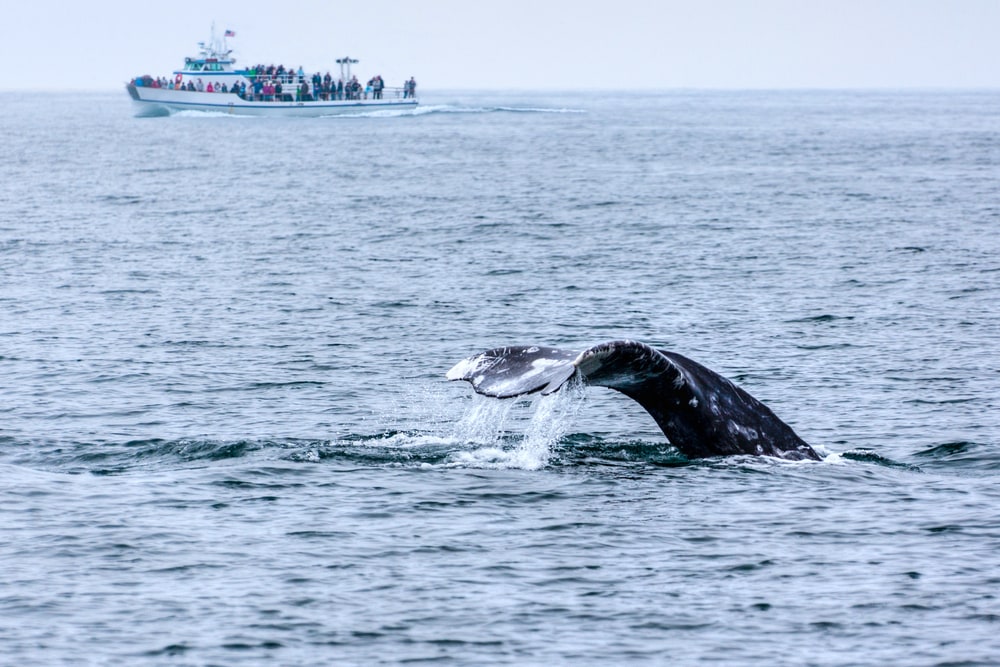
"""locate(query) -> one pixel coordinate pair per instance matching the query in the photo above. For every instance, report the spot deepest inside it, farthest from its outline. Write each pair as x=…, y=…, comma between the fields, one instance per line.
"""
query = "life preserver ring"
x=178, y=78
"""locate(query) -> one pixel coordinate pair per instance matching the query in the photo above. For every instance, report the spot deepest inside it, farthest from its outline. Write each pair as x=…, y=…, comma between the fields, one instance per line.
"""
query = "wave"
x=384, y=448
x=962, y=454
x=863, y=455
x=526, y=435
x=387, y=450
x=489, y=434
x=403, y=449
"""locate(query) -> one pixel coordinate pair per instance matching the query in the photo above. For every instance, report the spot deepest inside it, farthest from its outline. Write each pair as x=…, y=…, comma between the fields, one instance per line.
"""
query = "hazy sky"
x=579, y=44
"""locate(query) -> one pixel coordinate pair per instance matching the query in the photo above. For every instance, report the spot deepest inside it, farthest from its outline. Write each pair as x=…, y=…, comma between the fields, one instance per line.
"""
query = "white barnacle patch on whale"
x=693, y=402
x=514, y=371
x=466, y=368
x=588, y=363
x=537, y=368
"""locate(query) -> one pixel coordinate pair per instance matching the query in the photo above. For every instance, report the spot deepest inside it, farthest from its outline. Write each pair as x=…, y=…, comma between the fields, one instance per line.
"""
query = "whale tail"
x=699, y=411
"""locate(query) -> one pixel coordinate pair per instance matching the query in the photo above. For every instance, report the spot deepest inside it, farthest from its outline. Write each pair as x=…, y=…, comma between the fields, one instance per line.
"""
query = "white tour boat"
x=212, y=82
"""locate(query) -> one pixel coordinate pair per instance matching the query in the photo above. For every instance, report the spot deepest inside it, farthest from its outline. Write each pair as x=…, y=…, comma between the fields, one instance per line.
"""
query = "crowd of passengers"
x=269, y=84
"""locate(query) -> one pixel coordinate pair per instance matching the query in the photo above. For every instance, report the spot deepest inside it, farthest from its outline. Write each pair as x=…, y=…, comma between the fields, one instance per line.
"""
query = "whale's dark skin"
x=702, y=413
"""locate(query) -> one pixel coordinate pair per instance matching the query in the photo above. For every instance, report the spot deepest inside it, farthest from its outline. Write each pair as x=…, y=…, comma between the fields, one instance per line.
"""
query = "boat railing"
x=293, y=79
x=291, y=92
x=292, y=95
x=397, y=93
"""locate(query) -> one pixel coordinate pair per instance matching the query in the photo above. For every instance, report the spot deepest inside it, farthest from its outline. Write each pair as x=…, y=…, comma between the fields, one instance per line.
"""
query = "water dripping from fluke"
x=504, y=437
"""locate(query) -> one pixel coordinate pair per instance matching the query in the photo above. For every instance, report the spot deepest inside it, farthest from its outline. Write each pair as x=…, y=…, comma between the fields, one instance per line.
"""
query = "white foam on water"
x=196, y=113
x=374, y=113
x=483, y=432
x=488, y=423
x=537, y=110
x=452, y=108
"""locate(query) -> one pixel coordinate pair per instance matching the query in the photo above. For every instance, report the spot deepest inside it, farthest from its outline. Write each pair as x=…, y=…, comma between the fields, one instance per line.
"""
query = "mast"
x=216, y=48
x=345, y=66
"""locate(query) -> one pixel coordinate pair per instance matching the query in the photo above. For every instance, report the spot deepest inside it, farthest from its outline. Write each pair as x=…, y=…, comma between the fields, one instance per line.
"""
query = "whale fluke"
x=701, y=413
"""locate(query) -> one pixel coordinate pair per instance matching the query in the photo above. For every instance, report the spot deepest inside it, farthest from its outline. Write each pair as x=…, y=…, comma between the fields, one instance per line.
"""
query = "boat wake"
x=452, y=108
x=426, y=110
x=432, y=109
x=195, y=113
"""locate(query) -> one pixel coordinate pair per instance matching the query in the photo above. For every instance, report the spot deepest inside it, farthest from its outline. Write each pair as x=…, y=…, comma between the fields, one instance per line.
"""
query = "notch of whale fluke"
x=700, y=412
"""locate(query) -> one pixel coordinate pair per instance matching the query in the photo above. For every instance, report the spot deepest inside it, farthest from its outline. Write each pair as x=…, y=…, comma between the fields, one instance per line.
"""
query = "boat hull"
x=163, y=101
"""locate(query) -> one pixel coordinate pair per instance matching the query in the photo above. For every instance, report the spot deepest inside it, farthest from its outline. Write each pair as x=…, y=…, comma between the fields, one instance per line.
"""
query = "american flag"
x=230, y=33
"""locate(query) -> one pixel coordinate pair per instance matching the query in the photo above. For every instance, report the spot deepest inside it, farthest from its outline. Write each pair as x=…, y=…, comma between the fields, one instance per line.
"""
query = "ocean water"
x=226, y=437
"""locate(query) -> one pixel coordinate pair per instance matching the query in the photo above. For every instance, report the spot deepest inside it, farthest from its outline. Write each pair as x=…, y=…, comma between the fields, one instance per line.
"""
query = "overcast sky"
x=522, y=44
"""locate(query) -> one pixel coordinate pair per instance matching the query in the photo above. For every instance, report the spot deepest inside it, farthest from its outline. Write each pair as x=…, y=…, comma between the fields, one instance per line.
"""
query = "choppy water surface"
x=226, y=437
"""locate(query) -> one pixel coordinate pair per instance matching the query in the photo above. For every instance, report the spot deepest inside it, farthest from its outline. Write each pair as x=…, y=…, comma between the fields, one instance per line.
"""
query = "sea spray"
x=545, y=422
x=484, y=423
